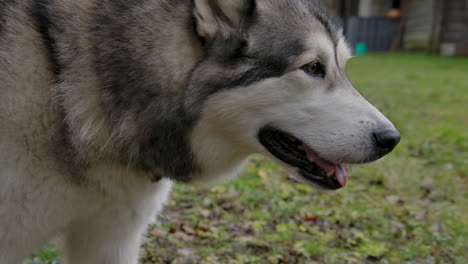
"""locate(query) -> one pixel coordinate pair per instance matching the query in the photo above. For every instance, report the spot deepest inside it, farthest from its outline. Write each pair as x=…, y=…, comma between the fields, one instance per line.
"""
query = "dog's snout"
x=386, y=140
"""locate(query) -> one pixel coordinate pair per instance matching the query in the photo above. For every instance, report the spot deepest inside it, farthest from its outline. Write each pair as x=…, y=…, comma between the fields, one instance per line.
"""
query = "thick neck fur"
x=123, y=68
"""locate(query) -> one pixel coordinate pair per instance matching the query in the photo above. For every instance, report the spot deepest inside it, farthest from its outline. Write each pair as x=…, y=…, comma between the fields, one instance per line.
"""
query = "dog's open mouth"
x=310, y=166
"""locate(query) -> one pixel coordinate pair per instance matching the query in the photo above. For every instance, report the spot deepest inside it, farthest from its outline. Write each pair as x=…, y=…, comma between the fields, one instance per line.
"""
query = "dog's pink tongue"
x=339, y=171
x=341, y=174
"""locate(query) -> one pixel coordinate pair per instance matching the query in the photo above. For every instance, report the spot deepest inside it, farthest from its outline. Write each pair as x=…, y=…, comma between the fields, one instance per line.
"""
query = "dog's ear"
x=225, y=17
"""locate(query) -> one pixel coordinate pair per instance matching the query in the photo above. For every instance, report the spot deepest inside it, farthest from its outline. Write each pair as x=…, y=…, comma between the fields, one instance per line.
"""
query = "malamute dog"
x=104, y=103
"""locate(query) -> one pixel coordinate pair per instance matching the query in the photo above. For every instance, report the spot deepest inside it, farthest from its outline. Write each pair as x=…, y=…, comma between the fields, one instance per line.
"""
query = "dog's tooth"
x=331, y=172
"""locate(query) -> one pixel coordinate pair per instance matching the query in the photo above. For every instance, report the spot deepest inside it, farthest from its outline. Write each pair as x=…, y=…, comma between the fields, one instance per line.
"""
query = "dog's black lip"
x=322, y=181
x=284, y=147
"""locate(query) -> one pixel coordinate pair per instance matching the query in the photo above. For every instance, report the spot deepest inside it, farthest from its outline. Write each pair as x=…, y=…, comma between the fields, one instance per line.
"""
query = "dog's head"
x=274, y=83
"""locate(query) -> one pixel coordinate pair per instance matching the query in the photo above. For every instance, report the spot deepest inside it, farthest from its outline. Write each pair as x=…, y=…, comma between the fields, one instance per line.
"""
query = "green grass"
x=411, y=207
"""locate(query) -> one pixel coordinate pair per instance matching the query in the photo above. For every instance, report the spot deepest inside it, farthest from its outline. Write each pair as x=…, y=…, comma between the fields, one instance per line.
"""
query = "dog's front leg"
x=103, y=241
x=114, y=235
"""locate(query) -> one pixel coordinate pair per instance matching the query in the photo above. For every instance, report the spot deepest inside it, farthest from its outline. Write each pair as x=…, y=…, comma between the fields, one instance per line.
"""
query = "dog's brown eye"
x=314, y=69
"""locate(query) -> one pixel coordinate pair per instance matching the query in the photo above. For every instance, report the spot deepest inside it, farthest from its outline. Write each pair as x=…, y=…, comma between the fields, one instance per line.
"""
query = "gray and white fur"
x=105, y=103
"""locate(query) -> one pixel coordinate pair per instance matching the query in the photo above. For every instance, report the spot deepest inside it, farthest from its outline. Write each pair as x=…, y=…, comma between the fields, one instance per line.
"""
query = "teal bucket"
x=361, y=48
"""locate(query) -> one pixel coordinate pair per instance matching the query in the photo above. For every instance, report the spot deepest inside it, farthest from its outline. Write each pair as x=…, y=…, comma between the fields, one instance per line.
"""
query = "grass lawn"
x=410, y=207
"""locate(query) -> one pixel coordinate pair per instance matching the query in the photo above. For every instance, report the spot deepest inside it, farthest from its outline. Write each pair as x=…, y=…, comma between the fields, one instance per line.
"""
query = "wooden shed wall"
x=421, y=22
x=455, y=25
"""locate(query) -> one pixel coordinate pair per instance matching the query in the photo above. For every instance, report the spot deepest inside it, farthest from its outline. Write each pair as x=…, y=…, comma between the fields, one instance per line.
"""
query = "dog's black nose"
x=387, y=139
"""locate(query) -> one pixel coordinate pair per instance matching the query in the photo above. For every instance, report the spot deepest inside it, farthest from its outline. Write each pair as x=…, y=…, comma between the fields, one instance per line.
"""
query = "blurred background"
x=410, y=207
x=437, y=26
